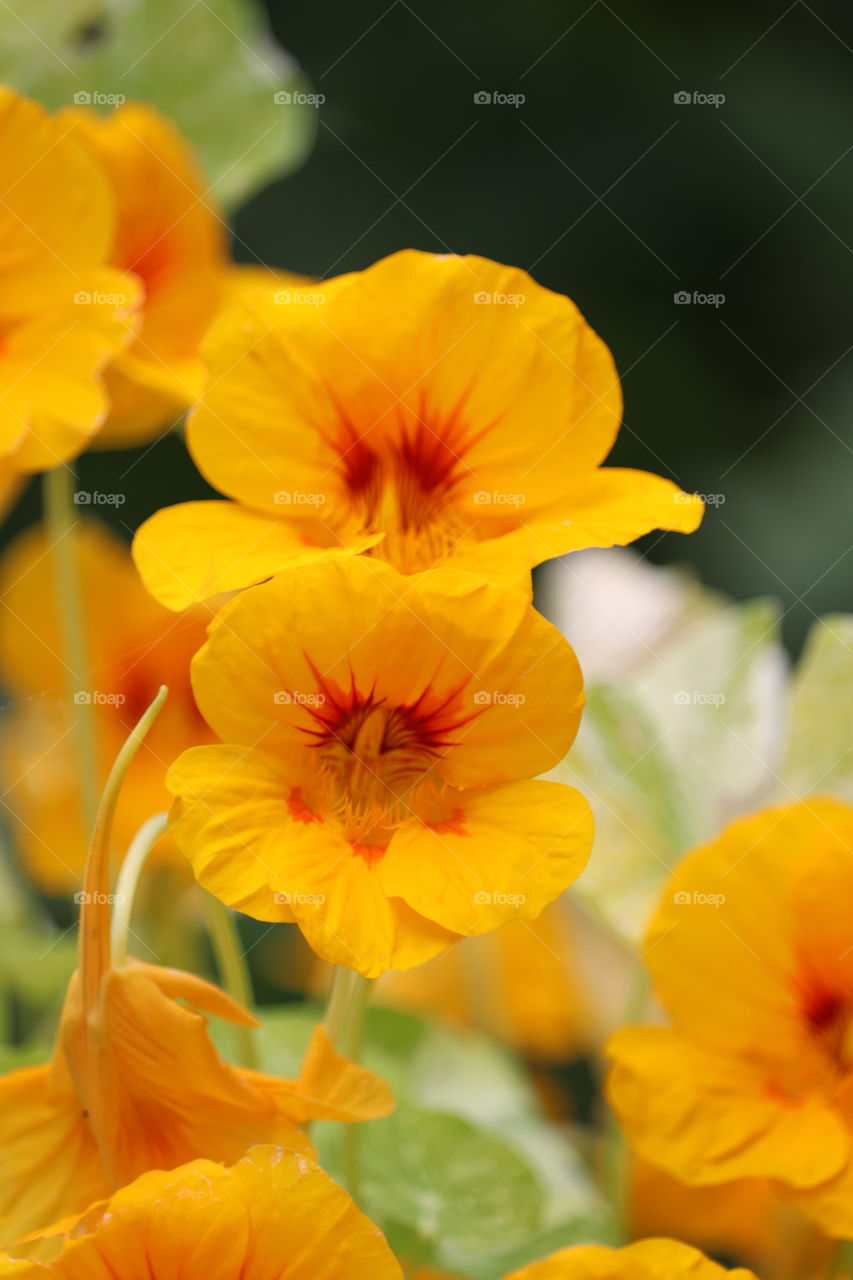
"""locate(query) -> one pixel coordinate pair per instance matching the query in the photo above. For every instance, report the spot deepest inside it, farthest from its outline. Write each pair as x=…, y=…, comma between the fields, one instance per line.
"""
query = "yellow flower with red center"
x=380, y=734
x=430, y=410
x=273, y=1214
x=750, y=951
x=645, y=1260
x=135, y=1084
x=134, y=645
x=171, y=237
x=64, y=313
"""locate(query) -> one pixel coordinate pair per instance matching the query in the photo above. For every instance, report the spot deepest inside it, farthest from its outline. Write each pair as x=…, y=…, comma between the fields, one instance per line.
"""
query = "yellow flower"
x=750, y=953
x=64, y=314
x=135, y=1084
x=170, y=236
x=432, y=409
x=274, y=1214
x=380, y=736
x=134, y=646
x=645, y=1260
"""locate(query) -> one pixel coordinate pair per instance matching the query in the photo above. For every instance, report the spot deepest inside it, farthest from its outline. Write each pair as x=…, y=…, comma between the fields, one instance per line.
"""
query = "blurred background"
x=586, y=169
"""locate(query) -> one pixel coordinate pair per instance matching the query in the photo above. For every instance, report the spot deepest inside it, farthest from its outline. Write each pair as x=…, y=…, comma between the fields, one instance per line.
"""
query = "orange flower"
x=169, y=235
x=381, y=733
x=274, y=1214
x=750, y=952
x=432, y=409
x=135, y=1083
x=645, y=1260
x=134, y=646
x=64, y=314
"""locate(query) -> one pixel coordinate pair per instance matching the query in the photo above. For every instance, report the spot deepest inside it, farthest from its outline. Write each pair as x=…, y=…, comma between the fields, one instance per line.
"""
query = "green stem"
x=616, y=1156
x=233, y=970
x=128, y=879
x=344, y=1022
x=841, y=1262
x=61, y=521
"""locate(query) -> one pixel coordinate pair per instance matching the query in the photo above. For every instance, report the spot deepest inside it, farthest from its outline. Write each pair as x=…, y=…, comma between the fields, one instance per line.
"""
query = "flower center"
x=379, y=764
x=405, y=482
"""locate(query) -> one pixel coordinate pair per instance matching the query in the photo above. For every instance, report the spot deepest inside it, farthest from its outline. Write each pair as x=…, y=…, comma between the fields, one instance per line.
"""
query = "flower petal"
x=503, y=855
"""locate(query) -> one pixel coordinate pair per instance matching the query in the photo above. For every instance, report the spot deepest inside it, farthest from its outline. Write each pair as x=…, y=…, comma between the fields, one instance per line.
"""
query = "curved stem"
x=61, y=521
x=233, y=970
x=95, y=911
x=128, y=879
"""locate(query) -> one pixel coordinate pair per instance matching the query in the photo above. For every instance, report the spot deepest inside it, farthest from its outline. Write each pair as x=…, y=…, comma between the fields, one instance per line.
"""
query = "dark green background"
x=606, y=189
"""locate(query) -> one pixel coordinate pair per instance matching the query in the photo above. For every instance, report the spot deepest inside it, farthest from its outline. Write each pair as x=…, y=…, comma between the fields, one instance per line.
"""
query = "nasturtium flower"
x=645, y=1260
x=171, y=237
x=751, y=956
x=134, y=646
x=64, y=312
x=135, y=1084
x=380, y=734
x=272, y=1214
x=432, y=409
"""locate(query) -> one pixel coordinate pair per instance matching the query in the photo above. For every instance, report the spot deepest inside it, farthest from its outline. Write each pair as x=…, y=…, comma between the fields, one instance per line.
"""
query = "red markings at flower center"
x=379, y=760
x=829, y=1017
x=402, y=476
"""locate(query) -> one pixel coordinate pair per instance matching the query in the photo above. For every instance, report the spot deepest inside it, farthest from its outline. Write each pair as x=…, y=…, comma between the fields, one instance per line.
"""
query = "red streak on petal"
x=372, y=853
x=452, y=826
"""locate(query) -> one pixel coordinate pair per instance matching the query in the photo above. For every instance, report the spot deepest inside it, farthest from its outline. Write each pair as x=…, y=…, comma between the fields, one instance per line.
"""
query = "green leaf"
x=451, y=1184
x=820, y=747
x=212, y=66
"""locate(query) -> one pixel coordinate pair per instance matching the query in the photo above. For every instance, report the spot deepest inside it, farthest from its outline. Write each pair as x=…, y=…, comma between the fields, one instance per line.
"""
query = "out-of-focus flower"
x=170, y=236
x=751, y=958
x=645, y=1260
x=381, y=736
x=430, y=410
x=521, y=984
x=135, y=645
x=64, y=313
x=275, y=1213
x=135, y=1084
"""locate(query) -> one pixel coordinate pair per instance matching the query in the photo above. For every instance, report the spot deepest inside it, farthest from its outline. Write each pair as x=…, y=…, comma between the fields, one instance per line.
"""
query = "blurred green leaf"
x=820, y=749
x=212, y=66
